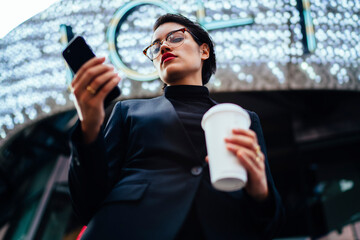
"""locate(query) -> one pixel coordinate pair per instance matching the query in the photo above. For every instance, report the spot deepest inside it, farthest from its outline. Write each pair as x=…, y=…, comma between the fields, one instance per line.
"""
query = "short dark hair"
x=202, y=36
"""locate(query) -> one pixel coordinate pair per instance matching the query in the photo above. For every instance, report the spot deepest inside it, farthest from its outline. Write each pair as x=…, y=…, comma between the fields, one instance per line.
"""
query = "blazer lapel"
x=181, y=134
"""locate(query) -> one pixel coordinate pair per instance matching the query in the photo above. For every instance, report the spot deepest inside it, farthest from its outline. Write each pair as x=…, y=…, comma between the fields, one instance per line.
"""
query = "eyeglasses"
x=174, y=39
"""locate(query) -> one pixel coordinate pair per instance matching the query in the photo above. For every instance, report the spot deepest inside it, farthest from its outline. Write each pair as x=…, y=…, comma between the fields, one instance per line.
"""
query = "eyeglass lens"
x=173, y=40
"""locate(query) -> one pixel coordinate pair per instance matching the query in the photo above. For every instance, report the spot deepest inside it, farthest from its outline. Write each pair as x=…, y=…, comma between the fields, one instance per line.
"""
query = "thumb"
x=207, y=159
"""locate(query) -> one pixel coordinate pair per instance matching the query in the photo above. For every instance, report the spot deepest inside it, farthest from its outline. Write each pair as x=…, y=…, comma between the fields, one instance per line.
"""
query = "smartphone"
x=79, y=52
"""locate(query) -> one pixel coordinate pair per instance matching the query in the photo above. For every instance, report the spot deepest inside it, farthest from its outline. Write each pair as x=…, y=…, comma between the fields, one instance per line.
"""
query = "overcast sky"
x=14, y=12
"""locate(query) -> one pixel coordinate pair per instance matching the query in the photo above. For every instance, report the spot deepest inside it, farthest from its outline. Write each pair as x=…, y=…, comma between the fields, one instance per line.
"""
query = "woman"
x=145, y=175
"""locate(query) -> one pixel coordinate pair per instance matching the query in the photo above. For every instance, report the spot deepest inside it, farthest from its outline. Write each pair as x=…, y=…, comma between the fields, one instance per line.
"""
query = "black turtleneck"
x=190, y=103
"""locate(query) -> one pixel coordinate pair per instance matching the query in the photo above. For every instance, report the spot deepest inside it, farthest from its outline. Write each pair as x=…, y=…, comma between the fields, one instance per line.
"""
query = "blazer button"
x=196, y=171
x=76, y=159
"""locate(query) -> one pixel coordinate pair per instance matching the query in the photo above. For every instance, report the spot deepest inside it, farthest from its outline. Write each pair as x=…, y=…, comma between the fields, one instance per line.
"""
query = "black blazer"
x=140, y=177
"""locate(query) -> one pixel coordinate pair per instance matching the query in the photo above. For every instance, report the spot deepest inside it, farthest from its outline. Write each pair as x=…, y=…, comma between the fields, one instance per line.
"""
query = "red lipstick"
x=167, y=57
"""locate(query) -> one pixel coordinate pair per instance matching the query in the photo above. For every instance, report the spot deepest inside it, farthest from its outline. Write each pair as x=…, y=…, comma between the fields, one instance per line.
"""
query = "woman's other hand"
x=91, y=85
x=244, y=144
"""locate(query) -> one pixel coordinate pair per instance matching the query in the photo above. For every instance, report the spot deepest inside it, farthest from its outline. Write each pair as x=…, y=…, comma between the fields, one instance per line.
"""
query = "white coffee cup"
x=218, y=122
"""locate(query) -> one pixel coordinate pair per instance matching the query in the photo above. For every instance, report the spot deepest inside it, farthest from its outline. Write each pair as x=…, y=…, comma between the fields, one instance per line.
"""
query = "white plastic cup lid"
x=225, y=107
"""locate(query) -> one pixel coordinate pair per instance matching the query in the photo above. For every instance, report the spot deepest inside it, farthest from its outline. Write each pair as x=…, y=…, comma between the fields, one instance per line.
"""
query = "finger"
x=101, y=80
x=241, y=151
x=95, y=86
x=241, y=140
x=105, y=90
x=207, y=159
x=245, y=153
x=252, y=166
x=244, y=159
x=261, y=157
x=248, y=132
x=92, y=73
x=89, y=76
x=92, y=62
x=251, y=134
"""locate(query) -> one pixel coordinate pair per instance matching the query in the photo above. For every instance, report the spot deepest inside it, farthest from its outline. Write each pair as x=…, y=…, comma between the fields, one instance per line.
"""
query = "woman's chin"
x=172, y=77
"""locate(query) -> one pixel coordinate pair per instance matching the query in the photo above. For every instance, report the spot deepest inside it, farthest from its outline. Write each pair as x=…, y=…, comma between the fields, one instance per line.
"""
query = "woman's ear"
x=204, y=51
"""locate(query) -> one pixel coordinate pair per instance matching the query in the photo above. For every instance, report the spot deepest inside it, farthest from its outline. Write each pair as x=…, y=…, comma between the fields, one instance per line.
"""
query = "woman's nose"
x=164, y=47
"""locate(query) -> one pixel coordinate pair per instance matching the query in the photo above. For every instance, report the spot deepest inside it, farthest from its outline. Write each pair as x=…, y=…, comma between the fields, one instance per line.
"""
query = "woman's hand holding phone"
x=91, y=84
x=94, y=85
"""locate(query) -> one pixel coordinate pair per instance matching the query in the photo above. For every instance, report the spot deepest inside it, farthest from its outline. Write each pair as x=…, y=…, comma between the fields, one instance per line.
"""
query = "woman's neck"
x=195, y=79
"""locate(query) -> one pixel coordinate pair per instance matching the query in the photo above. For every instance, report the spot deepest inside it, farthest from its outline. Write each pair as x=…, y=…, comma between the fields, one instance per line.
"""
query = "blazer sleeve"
x=268, y=215
x=95, y=167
